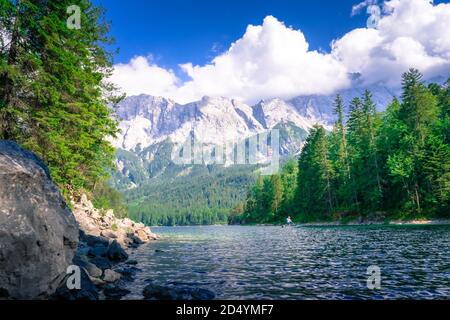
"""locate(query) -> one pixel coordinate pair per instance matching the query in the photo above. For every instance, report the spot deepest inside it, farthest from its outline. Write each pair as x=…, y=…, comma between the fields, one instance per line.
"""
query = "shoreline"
x=103, y=253
x=416, y=222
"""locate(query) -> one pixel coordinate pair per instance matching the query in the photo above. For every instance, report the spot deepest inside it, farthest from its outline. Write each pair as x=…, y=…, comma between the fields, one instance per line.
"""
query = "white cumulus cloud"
x=274, y=60
x=412, y=33
x=140, y=75
x=269, y=60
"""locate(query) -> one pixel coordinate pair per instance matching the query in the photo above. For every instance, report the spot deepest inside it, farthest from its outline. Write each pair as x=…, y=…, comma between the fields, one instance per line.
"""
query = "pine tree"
x=373, y=189
x=363, y=126
x=314, y=195
x=276, y=195
x=388, y=142
x=418, y=111
x=339, y=156
x=53, y=94
x=289, y=176
x=355, y=125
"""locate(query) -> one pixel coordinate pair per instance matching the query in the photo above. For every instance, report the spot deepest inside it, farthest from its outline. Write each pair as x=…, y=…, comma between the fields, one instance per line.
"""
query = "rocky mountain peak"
x=147, y=120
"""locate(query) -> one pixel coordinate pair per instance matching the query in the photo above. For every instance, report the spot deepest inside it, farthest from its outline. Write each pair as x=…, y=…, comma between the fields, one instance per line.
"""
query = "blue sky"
x=181, y=49
x=177, y=31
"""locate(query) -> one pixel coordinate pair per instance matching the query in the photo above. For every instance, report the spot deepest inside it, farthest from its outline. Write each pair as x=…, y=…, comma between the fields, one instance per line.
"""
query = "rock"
x=132, y=262
x=85, y=213
x=93, y=270
x=38, y=232
x=134, y=245
x=139, y=225
x=142, y=235
x=98, y=282
x=128, y=273
x=93, y=241
x=88, y=290
x=94, y=214
x=126, y=223
x=157, y=292
x=109, y=214
x=84, y=202
x=83, y=251
x=115, y=292
x=90, y=268
x=101, y=263
x=116, y=252
x=98, y=251
x=101, y=225
x=111, y=276
x=108, y=234
x=135, y=239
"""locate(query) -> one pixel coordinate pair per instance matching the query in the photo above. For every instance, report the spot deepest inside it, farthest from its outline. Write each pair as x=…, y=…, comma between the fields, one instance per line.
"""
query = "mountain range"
x=147, y=120
x=151, y=128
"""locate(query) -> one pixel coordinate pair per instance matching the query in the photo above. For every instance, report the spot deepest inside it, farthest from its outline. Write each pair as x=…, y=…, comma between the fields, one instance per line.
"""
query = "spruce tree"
x=314, y=195
x=418, y=111
x=339, y=157
x=54, y=95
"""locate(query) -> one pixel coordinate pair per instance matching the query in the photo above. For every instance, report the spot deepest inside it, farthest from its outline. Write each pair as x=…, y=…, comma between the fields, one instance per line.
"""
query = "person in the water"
x=289, y=221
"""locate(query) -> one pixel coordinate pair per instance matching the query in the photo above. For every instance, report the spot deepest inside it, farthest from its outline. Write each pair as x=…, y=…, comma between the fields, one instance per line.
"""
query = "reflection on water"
x=299, y=263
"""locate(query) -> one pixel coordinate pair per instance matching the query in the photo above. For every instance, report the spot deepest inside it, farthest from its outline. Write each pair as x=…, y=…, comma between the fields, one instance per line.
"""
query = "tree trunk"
x=416, y=191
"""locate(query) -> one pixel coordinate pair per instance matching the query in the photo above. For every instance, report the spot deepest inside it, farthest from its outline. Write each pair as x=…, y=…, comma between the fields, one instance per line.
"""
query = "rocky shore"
x=103, y=223
x=41, y=238
x=102, y=253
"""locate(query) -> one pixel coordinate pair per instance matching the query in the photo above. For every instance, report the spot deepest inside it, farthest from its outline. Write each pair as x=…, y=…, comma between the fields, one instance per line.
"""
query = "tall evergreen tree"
x=289, y=178
x=355, y=124
x=276, y=196
x=53, y=91
x=388, y=142
x=339, y=156
x=373, y=188
x=314, y=195
x=363, y=126
x=418, y=111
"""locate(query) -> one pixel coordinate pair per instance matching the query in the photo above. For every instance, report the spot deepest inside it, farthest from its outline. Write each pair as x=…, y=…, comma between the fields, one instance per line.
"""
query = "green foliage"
x=315, y=194
x=414, y=122
x=53, y=94
x=106, y=197
x=376, y=165
x=200, y=198
x=270, y=199
x=364, y=178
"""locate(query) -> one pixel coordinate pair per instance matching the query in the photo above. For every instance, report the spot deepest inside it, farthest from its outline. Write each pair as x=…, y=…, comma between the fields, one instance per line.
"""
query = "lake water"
x=299, y=263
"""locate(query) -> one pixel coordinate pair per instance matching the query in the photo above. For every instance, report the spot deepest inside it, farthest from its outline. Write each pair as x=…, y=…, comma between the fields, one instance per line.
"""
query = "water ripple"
x=300, y=263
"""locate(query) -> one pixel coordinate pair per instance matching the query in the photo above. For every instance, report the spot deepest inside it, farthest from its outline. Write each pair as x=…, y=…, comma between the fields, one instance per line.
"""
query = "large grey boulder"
x=38, y=233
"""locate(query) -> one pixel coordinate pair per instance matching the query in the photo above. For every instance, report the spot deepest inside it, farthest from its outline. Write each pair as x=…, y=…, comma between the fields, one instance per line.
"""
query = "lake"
x=239, y=262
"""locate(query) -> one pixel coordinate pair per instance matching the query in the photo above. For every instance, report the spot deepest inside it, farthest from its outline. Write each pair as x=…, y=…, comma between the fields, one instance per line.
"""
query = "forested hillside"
x=374, y=166
x=207, y=196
